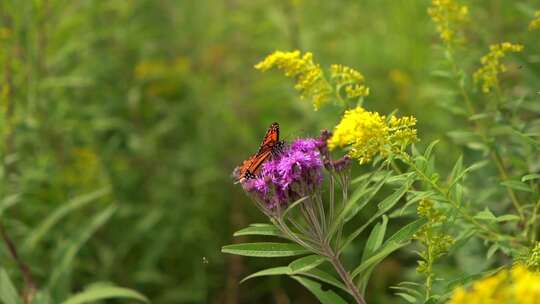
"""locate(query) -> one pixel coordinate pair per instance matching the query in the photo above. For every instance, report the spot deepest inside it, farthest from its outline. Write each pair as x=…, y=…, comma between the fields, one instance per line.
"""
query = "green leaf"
x=324, y=296
x=98, y=293
x=8, y=293
x=76, y=203
x=508, y=218
x=491, y=251
x=393, y=199
x=282, y=270
x=268, y=250
x=8, y=202
x=456, y=170
x=259, y=229
x=429, y=149
x=529, y=177
x=473, y=167
x=384, y=207
x=324, y=277
x=377, y=257
x=75, y=244
x=293, y=205
x=373, y=243
x=516, y=185
x=407, y=297
x=485, y=215
x=406, y=233
x=306, y=263
x=375, y=238
x=394, y=242
x=298, y=266
x=372, y=191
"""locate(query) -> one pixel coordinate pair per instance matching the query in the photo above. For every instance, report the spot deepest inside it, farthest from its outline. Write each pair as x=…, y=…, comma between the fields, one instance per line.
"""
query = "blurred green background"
x=122, y=121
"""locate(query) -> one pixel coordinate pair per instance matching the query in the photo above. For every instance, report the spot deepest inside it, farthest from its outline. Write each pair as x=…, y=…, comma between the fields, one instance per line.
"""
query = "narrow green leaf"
x=384, y=207
x=485, y=215
x=351, y=206
x=491, y=251
x=411, y=291
x=282, y=270
x=8, y=202
x=516, y=185
x=391, y=200
x=373, y=243
x=8, y=293
x=265, y=249
x=406, y=233
x=259, y=229
x=462, y=280
x=429, y=149
x=456, y=170
x=324, y=296
x=529, y=177
x=508, y=218
x=306, y=263
x=473, y=167
x=76, y=203
x=407, y=297
x=78, y=241
x=324, y=277
x=293, y=205
x=375, y=238
x=377, y=257
x=98, y=293
x=393, y=243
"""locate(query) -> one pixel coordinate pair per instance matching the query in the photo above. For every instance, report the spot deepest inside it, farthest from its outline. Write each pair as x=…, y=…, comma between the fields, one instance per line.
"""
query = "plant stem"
x=491, y=235
x=481, y=130
x=344, y=275
x=30, y=287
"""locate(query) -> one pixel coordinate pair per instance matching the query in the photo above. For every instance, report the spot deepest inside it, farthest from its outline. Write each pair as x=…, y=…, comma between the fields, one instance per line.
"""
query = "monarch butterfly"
x=270, y=146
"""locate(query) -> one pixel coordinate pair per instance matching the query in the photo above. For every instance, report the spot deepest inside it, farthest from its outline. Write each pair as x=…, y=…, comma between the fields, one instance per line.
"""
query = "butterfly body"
x=270, y=146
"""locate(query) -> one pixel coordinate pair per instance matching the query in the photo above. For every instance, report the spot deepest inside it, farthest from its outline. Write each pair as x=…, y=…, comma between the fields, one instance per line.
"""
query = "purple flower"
x=294, y=173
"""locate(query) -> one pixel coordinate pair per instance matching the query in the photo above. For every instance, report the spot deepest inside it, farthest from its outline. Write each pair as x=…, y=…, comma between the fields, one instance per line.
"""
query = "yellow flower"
x=367, y=134
x=515, y=286
x=310, y=80
x=350, y=80
x=535, y=24
x=5, y=33
x=448, y=15
x=488, y=74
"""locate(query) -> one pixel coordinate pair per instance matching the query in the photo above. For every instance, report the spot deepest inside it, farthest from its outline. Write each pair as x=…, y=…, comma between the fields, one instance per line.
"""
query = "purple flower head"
x=294, y=173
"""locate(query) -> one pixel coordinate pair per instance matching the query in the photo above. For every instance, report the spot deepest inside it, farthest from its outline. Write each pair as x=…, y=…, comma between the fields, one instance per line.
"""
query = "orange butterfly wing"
x=253, y=165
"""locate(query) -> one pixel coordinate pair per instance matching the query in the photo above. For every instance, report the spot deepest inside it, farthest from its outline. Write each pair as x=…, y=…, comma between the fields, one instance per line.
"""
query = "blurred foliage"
x=122, y=121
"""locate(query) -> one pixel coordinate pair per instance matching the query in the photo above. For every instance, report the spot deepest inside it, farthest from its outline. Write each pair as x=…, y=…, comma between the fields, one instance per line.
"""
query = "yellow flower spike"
x=309, y=77
x=350, y=79
x=488, y=74
x=448, y=16
x=535, y=24
x=368, y=134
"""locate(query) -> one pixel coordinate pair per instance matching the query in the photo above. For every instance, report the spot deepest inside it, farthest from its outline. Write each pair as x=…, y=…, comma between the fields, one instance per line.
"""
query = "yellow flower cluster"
x=368, y=134
x=448, y=15
x=350, y=80
x=5, y=33
x=535, y=24
x=488, y=74
x=162, y=77
x=309, y=77
x=515, y=286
